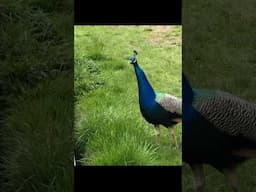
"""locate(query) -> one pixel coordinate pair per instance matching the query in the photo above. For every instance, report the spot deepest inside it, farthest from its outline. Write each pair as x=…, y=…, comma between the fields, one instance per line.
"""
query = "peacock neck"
x=146, y=92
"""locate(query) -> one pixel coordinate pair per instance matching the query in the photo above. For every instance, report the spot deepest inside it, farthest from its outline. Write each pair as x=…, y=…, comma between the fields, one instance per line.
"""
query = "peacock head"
x=133, y=59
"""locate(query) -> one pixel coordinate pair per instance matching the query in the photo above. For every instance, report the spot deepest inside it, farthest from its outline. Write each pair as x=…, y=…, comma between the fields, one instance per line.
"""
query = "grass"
x=36, y=101
x=39, y=136
x=219, y=53
x=109, y=127
x=216, y=181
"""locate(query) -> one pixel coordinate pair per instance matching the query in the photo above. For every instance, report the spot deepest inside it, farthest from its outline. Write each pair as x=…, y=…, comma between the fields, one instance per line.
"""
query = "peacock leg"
x=157, y=128
x=232, y=178
x=199, y=178
x=173, y=135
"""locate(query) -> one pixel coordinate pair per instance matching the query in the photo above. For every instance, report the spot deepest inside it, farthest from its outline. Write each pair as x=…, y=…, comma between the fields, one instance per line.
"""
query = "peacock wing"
x=228, y=113
x=169, y=103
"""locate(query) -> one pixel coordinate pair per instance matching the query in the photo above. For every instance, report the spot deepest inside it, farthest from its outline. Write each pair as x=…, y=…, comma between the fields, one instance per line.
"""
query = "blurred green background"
x=36, y=101
x=219, y=52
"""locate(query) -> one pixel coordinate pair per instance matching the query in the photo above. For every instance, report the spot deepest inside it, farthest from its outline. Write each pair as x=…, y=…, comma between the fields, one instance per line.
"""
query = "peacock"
x=218, y=129
x=156, y=108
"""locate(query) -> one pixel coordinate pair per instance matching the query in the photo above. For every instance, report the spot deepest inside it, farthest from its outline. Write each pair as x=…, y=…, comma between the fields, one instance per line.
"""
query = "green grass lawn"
x=109, y=127
x=219, y=52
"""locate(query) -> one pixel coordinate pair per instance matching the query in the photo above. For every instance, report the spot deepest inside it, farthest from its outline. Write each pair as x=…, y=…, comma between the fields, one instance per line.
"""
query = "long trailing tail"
x=187, y=92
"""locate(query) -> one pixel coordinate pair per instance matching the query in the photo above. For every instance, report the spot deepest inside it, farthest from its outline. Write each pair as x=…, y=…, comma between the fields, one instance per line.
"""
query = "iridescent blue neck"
x=146, y=92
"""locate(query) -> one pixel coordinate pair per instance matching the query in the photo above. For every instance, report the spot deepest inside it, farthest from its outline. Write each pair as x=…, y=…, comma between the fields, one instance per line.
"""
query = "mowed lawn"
x=109, y=129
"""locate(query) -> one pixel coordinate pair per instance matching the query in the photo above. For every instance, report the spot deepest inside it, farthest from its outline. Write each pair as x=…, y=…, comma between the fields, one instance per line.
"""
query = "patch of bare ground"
x=164, y=34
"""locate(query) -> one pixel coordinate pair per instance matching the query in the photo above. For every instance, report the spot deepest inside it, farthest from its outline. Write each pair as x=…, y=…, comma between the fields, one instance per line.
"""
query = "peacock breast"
x=155, y=114
x=148, y=110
